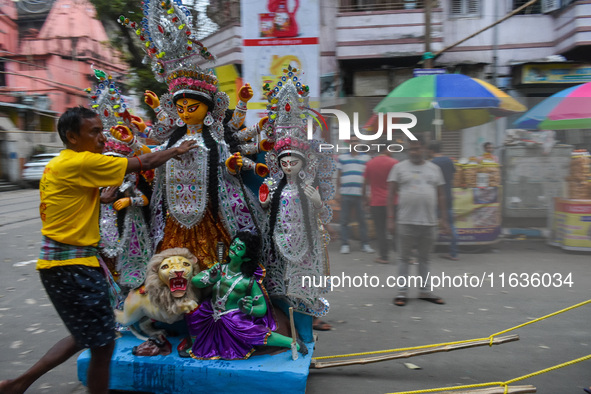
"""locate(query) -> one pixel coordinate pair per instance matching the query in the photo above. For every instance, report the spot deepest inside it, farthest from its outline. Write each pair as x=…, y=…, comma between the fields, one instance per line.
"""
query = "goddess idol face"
x=191, y=111
x=291, y=164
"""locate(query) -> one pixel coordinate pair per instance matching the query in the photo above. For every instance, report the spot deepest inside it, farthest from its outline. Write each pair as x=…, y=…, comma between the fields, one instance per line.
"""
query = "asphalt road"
x=29, y=325
x=363, y=317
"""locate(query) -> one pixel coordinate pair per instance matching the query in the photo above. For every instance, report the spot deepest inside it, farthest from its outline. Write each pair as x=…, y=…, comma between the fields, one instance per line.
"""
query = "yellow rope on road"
x=541, y=318
x=469, y=386
x=490, y=338
x=566, y=364
x=502, y=384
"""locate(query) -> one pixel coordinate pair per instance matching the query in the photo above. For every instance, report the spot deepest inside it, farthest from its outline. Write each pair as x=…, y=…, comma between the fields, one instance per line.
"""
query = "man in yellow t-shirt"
x=68, y=264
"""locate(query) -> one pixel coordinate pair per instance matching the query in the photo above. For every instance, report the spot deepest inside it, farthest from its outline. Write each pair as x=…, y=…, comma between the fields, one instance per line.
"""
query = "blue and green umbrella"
x=449, y=101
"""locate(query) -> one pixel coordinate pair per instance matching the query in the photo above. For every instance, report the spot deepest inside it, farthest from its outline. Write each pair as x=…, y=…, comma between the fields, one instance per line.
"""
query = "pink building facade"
x=8, y=38
x=43, y=72
x=50, y=70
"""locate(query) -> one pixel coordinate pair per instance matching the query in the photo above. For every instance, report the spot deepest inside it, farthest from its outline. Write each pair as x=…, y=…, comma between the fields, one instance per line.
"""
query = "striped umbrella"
x=449, y=101
x=568, y=109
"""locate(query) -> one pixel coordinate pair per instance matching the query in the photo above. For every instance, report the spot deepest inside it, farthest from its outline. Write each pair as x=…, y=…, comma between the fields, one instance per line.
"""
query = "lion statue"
x=167, y=294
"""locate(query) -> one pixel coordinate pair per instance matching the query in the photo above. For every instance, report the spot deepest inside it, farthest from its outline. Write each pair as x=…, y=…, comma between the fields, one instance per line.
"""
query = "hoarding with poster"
x=477, y=213
x=276, y=34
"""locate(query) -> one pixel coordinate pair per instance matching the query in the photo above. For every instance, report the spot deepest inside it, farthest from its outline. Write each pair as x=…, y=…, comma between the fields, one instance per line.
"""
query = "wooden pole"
x=497, y=390
x=509, y=15
x=411, y=353
x=294, y=334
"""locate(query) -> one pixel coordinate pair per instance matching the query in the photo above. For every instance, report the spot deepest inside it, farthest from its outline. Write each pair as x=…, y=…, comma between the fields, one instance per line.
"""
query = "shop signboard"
x=555, y=73
x=417, y=72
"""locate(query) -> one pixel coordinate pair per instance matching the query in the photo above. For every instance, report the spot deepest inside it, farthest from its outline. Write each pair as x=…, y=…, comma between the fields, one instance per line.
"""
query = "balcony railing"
x=382, y=5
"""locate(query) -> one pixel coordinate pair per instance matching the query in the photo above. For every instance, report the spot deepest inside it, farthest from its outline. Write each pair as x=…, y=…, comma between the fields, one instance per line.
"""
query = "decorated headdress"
x=287, y=125
x=172, y=49
x=106, y=101
x=287, y=111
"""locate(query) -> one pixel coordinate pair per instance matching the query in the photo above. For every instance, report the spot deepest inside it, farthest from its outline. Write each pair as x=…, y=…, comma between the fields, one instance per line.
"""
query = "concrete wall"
x=226, y=45
x=328, y=37
x=519, y=38
x=474, y=137
x=384, y=34
x=573, y=26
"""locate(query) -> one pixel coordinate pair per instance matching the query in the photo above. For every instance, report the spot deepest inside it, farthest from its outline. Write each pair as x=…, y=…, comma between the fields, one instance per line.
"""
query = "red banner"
x=281, y=41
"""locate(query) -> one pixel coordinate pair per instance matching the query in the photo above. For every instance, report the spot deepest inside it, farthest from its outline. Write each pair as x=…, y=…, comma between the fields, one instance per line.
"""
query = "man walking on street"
x=376, y=176
x=448, y=169
x=419, y=186
x=350, y=185
x=68, y=264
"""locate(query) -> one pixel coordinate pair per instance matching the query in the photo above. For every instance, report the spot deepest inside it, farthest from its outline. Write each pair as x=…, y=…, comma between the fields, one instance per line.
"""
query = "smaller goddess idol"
x=295, y=195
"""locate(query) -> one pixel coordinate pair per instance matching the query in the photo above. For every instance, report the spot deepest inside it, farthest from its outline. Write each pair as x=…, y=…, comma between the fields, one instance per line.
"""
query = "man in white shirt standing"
x=419, y=185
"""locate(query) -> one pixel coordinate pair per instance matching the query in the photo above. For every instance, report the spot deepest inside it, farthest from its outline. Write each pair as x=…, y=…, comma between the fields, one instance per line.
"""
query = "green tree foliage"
x=126, y=41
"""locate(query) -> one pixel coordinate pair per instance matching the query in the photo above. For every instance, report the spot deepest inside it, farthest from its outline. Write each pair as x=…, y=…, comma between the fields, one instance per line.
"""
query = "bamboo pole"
x=411, y=353
x=509, y=15
x=497, y=390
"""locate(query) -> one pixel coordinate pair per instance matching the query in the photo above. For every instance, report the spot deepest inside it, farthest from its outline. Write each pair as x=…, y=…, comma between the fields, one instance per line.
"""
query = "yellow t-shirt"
x=70, y=200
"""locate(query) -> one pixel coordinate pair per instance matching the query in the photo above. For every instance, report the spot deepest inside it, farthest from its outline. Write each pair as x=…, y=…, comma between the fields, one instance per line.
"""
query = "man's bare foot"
x=10, y=386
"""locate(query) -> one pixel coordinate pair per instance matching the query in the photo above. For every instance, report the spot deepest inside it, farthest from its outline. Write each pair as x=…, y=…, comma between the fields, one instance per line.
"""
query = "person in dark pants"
x=351, y=167
x=376, y=176
x=68, y=265
x=448, y=169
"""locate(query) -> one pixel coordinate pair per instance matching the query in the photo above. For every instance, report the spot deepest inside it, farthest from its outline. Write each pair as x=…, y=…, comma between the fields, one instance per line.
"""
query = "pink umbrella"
x=568, y=109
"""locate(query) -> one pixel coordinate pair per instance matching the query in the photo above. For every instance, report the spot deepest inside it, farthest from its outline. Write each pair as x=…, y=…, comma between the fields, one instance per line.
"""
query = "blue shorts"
x=80, y=295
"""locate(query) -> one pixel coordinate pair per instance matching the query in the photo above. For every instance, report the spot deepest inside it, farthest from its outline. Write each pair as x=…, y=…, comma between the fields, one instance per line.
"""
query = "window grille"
x=463, y=8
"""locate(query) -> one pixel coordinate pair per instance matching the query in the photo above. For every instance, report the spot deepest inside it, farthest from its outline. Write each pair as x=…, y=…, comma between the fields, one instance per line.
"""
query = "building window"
x=381, y=5
x=551, y=5
x=535, y=8
x=465, y=8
